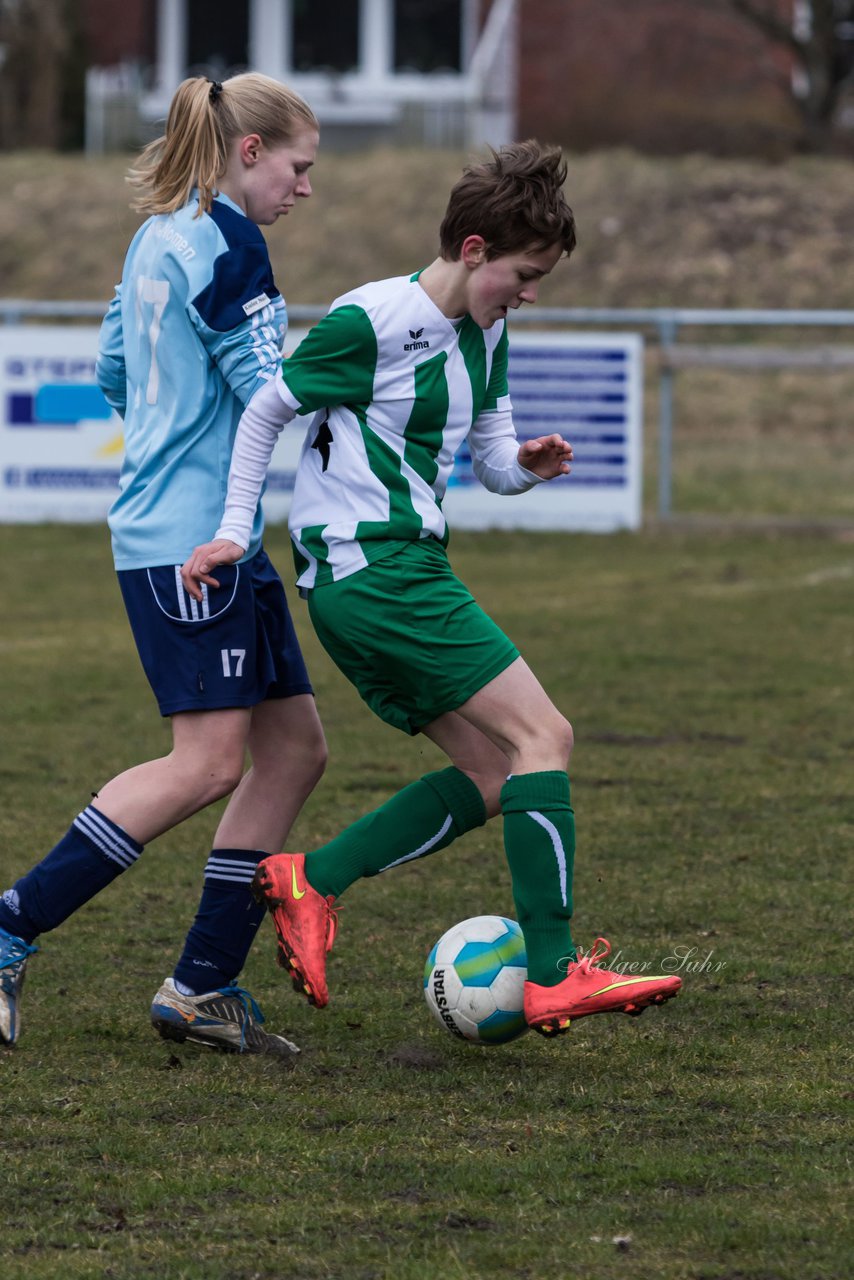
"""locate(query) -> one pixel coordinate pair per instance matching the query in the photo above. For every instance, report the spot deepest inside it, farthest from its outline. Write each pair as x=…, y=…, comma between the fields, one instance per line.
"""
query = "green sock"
x=539, y=840
x=422, y=818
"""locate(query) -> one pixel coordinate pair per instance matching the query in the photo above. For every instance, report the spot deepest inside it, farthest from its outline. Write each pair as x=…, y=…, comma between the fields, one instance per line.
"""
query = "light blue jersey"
x=196, y=326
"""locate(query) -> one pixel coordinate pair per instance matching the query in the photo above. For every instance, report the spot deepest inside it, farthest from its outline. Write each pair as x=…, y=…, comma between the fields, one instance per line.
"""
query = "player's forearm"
x=495, y=456
x=257, y=432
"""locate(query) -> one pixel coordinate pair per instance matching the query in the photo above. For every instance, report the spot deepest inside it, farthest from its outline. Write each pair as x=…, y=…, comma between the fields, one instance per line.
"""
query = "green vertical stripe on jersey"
x=473, y=351
x=313, y=541
x=429, y=416
x=403, y=520
x=497, y=376
x=300, y=562
x=335, y=363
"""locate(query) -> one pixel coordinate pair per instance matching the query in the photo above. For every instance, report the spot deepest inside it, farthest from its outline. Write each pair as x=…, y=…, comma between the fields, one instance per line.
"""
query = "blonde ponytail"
x=204, y=119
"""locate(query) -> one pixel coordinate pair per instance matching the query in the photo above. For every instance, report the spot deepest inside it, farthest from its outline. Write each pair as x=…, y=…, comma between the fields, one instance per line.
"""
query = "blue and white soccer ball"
x=474, y=980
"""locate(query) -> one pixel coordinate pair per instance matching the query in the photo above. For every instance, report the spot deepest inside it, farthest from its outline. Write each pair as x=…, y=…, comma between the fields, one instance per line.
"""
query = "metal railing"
x=663, y=323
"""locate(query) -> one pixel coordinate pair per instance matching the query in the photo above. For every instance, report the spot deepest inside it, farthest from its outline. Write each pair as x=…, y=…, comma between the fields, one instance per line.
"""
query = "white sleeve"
x=495, y=455
x=257, y=433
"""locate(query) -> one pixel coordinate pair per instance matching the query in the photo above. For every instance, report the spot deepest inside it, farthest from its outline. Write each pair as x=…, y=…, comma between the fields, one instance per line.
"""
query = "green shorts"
x=411, y=638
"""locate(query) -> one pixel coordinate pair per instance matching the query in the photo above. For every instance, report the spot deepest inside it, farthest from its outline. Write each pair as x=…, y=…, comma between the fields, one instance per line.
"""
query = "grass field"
x=708, y=680
x=769, y=445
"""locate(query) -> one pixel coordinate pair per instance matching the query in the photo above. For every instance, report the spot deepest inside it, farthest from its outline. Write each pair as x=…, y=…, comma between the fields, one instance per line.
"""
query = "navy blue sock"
x=226, y=923
x=89, y=856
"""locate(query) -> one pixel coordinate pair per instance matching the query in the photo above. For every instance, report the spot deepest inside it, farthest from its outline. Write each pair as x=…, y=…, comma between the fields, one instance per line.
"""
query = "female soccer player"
x=194, y=331
x=402, y=371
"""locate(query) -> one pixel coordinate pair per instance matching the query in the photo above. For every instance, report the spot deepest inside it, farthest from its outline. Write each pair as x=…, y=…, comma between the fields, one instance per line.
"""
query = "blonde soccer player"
x=193, y=334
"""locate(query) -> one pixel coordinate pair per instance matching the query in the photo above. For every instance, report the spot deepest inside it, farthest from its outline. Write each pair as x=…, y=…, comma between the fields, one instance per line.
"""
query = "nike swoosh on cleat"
x=295, y=890
x=615, y=986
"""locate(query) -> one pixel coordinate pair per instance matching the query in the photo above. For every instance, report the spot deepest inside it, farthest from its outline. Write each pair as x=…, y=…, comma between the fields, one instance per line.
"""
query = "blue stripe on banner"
x=63, y=402
x=281, y=481
x=19, y=410
x=580, y=438
x=600, y=460
x=67, y=478
x=516, y=375
x=586, y=397
x=557, y=354
x=617, y=419
x=599, y=438
x=616, y=480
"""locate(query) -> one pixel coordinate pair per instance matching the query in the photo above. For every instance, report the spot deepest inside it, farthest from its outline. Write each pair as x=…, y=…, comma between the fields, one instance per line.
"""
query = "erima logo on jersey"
x=255, y=304
x=415, y=345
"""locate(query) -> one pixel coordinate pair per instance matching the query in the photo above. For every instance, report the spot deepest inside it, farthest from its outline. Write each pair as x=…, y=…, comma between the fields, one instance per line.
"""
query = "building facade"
x=663, y=75
x=439, y=72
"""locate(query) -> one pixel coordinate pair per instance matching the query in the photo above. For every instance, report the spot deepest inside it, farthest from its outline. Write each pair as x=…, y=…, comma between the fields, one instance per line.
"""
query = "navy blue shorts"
x=236, y=648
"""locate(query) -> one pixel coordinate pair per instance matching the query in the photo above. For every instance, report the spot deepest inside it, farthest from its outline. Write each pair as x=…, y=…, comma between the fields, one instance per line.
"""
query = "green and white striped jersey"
x=398, y=387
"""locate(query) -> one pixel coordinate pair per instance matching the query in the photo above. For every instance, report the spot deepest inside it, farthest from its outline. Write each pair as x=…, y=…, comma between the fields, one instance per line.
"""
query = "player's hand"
x=197, y=569
x=548, y=456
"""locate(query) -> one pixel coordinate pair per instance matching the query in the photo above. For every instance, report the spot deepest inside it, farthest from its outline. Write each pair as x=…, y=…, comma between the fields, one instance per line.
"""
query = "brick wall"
x=120, y=32
x=663, y=75
x=667, y=75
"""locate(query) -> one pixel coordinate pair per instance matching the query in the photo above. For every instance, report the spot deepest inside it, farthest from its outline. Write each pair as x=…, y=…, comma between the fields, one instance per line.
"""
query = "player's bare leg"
x=288, y=755
x=516, y=714
x=474, y=754
x=206, y=763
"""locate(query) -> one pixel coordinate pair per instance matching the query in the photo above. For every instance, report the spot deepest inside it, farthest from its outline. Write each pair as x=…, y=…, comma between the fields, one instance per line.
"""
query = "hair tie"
x=216, y=90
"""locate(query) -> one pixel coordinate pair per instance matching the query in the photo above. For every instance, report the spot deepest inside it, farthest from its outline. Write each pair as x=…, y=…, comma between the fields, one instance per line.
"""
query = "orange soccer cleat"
x=587, y=989
x=304, y=920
